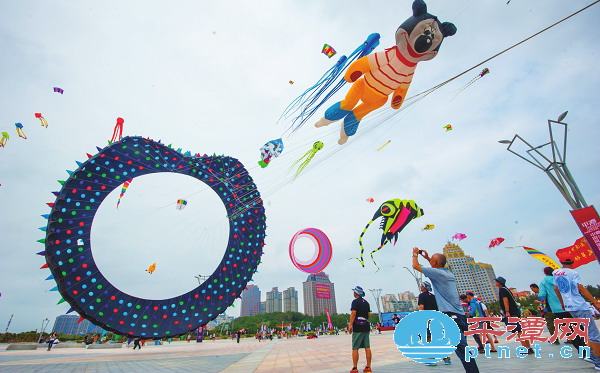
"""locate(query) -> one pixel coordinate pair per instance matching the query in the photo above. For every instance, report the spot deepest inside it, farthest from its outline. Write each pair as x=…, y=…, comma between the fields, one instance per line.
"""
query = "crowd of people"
x=560, y=295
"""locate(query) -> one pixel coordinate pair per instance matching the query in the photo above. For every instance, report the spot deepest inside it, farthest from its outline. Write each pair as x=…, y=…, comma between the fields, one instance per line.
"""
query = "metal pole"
x=43, y=328
x=377, y=294
x=418, y=278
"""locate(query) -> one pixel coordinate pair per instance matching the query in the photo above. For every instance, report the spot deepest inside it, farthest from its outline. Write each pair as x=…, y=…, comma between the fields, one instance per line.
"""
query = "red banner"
x=581, y=252
x=323, y=291
x=589, y=223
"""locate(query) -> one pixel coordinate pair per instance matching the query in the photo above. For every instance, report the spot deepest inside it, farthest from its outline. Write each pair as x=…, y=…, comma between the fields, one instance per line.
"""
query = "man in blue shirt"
x=446, y=295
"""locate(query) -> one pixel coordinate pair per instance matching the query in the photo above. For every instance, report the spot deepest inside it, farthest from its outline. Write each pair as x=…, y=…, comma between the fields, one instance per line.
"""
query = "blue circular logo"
x=427, y=336
x=563, y=284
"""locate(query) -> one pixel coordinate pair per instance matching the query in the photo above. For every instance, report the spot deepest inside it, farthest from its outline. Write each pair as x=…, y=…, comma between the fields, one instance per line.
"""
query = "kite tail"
x=117, y=133
x=307, y=106
x=362, y=248
x=374, y=251
x=304, y=164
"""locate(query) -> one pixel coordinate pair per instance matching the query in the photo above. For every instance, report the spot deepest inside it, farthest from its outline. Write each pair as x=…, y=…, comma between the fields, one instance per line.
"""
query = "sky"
x=213, y=77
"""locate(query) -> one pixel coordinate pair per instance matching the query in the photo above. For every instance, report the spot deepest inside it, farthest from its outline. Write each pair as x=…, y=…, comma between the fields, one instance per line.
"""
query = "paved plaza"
x=327, y=354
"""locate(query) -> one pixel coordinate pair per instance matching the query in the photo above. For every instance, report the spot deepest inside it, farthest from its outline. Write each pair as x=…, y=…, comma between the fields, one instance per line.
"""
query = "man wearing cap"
x=569, y=290
x=359, y=327
x=508, y=305
x=426, y=299
x=446, y=296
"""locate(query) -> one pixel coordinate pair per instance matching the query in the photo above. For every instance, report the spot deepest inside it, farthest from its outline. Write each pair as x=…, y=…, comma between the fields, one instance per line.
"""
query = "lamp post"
x=377, y=293
x=45, y=323
x=551, y=158
x=418, y=276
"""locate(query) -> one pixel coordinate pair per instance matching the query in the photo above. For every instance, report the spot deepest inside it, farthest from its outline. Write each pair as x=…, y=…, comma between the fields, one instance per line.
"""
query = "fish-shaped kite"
x=496, y=241
x=459, y=236
x=370, y=199
x=152, y=268
x=428, y=227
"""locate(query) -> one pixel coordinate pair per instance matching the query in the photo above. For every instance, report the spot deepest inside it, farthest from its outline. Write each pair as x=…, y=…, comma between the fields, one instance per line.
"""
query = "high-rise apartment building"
x=405, y=303
x=290, y=300
x=471, y=275
x=250, y=301
x=319, y=295
x=273, y=301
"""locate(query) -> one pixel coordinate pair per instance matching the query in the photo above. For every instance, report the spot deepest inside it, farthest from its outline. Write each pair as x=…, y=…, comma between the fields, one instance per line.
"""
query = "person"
x=396, y=319
x=359, y=328
x=446, y=296
x=237, y=336
x=570, y=293
x=189, y=338
x=476, y=310
x=488, y=314
x=508, y=305
x=554, y=309
x=51, y=340
x=129, y=340
x=136, y=343
x=426, y=301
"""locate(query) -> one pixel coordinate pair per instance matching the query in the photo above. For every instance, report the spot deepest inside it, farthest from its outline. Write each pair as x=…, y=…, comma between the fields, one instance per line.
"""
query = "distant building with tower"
x=471, y=275
x=250, y=301
x=67, y=324
x=290, y=300
x=319, y=295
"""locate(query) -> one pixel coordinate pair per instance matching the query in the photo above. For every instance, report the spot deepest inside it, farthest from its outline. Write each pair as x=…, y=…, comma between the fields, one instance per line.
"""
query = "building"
x=263, y=307
x=221, y=319
x=520, y=294
x=250, y=301
x=67, y=324
x=273, y=301
x=290, y=300
x=404, y=304
x=471, y=275
x=319, y=295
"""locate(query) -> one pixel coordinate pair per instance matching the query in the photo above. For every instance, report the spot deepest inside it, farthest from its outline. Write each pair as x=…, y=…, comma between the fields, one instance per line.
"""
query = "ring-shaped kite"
x=69, y=256
x=321, y=256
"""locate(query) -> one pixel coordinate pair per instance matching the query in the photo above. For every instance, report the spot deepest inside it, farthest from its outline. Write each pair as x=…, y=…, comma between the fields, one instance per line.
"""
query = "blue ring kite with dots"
x=69, y=256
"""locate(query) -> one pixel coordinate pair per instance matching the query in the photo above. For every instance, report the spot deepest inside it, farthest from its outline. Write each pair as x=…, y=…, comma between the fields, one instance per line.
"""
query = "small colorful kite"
x=328, y=50
x=541, y=257
x=4, y=139
x=448, y=127
x=118, y=131
x=43, y=120
x=58, y=90
x=291, y=82
x=512, y=248
x=272, y=149
x=152, y=268
x=370, y=199
x=322, y=246
x=483, y=73
x=395, y=215
x=428, y=227
x=459, y=236
x=123, y=190
x=384, y=145
x=181, y=203
x=19, y=128
x=306, y=158
x=496, y=241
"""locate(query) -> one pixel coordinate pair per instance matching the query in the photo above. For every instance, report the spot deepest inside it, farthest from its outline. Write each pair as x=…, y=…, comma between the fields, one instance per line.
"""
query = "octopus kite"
x=19, y=128
x=417, y=39
x=4, y=139
x=306, y=158
x=118, y=131
x=152, y=268
x=395, y=215
x=43, y=120
x=483, y=73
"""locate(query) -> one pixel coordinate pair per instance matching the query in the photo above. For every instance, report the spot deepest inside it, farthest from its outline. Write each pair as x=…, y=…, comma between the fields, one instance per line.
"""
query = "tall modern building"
x=250, y=301
x=263, y=307
x=67, y=324
x=319, y=295
x=273, y=301
x=290, y=300
x=471, y=275
x=405, y=303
